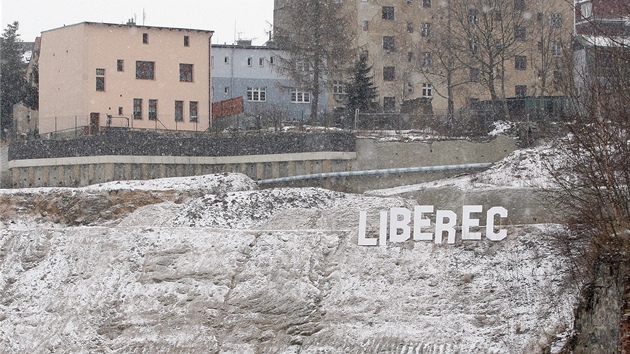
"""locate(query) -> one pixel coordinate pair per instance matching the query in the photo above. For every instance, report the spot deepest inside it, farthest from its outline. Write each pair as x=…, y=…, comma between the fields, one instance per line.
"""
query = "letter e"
x=468, y=222
x=419, y=222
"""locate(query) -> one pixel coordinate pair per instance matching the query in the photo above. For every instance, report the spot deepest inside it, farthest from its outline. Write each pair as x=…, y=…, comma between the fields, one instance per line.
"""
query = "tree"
x=315, y=35
x=13, y=80
x=361, y=91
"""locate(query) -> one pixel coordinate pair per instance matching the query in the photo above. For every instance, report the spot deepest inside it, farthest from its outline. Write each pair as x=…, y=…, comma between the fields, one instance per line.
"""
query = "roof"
x=130, y=26
x=603, y=41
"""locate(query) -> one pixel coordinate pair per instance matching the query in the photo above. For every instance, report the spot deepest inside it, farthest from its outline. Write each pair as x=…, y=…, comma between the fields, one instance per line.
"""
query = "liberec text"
x=401, y=225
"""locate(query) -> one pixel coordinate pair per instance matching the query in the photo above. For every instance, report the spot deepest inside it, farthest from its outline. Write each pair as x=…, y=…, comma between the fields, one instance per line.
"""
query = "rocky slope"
x=212, y=264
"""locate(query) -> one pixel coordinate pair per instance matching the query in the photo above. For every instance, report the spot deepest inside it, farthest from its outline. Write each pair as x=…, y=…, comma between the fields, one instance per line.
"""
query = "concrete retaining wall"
x=60, y=163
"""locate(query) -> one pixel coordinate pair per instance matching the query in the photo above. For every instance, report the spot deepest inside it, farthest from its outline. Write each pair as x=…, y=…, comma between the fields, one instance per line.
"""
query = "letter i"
x=382, y=237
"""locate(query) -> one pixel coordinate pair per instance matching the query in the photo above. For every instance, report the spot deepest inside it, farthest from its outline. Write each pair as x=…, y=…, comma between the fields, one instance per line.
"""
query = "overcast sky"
x=252, y=18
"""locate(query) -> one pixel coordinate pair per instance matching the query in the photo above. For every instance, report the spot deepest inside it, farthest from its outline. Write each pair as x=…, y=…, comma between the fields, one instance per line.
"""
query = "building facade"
x=436, y=49
x=247, y=71
x=602, y=17
x=94, y=76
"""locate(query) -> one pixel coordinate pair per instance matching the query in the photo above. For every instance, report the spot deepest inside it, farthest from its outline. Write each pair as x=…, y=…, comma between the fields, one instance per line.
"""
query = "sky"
x=229, y=19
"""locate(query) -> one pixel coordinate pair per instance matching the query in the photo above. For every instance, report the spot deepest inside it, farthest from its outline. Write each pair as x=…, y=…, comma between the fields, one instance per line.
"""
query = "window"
x=539, y=17
x=186, y=41
x=556, y=80
x=410, y=56
x=261, y=62
x=410, y=27
x=271, y=60
x=556, y=48
x=389, y=104
x=519, y=5
x=586, y=10
x=540, y=46
x=145, y=38
x=257, y=94
x=474, y=46
x=473, y=16
x=426, y=4
x=389, y=45
x=298, y=96
x=120, y=65
x=226, y=60
x=427, y=90
x=388, y=13
x=179, y=111
x=520, y=62
x=194, y=111
x=555, y=20
x=427, y=60
x=120, y=111
x=474, y=75
x=338, y=87
x=145, y=70
x=409, y=2
x=520, y=90
x=366, y=25
x=409, y=88
x=100, y=79
x=301, y=65
x=226, y=90
x=249, y=61
x=425, y=30
x=153, y=109
x=389, y=73
x=520, y=33
x=186, y=72
x=137, y=108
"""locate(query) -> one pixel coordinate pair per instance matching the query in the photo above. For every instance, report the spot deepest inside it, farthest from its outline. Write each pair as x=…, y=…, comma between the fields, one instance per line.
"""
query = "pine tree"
x=13, y=71
x=361, y=92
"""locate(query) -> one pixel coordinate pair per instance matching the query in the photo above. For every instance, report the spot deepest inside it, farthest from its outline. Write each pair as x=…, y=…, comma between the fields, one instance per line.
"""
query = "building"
x=408, y=43
x=602, y=17
x=94, y=76
x=25, y=119
x=243, y=70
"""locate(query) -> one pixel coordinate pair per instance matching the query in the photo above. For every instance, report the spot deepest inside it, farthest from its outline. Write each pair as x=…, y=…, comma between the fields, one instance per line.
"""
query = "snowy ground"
x=245, y=270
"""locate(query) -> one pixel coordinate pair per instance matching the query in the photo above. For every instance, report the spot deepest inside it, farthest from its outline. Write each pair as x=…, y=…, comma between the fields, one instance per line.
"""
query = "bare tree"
x=316, y=37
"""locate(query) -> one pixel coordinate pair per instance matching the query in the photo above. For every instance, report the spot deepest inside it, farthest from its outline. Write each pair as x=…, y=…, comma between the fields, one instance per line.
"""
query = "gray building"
x=251, y=72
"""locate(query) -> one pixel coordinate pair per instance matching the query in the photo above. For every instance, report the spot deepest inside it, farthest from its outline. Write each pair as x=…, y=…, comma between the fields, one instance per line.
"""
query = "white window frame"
x=299, y=96
x=256, y=94
x=427, y=90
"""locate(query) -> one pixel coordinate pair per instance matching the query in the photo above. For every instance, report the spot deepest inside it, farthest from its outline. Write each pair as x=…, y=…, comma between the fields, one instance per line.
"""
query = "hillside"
x=214, y=264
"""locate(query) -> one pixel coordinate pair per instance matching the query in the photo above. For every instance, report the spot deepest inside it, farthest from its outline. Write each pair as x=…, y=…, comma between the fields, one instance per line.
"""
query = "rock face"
x=271, y=271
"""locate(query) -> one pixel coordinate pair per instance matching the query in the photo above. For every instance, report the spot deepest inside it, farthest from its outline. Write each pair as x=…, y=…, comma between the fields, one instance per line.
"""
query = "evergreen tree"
x=361, y=92
x=13, y=79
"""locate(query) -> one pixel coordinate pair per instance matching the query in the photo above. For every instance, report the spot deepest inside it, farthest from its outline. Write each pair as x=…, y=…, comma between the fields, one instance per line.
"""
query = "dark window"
x=137, y=108
x=557, y=80
x=555, y=20
x=409, y=2
x=519, y=5
x=473, y=16
x=388, y=13
x=120, y=111
x=120, y=65
x=389, y=103
x=145, y=38
x=153, y=109
x=366, y=25
x=474, y=75
x=389, y=45
x=474, y=45
x=145, y=70
x=427, y=60
x=100, y=83
x=186, y=41
x=257, y=94
x=425, y=30
x=520, y=33
x=100, y=79
x=194, y=111
x=410, y=27
x=426, y=3
x=179, y=111
x=520, y=62
x=186, y=72
x=389, y=73
x=539, y=17
x=520, y=90
x=410, y=56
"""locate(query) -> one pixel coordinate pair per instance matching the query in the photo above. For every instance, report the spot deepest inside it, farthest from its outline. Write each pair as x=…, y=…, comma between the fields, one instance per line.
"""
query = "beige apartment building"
x=407, y=43
x=94, y=76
